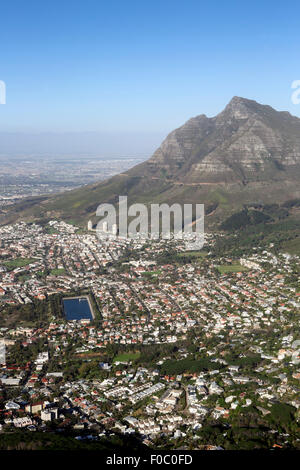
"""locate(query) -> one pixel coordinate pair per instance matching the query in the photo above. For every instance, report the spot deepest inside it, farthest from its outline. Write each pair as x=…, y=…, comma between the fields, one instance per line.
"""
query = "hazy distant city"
x=24, y=176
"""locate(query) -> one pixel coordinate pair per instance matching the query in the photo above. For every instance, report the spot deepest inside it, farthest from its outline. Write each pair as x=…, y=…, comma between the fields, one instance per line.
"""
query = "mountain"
x=247, y=154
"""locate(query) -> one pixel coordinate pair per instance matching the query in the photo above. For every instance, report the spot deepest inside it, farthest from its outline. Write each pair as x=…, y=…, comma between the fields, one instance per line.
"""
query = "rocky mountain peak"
x=240, y=108
x=248, y=153
x=246, y=142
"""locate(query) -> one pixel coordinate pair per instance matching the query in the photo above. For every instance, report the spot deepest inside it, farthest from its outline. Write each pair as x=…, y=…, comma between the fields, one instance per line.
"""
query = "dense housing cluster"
x=186, y=348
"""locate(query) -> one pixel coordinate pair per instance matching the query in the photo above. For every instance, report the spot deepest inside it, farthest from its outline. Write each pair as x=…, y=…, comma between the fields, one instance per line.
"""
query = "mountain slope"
x=249, y=153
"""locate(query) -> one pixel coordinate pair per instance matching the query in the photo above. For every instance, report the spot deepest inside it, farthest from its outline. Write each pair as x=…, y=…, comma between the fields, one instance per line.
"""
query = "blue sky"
x=136, y=67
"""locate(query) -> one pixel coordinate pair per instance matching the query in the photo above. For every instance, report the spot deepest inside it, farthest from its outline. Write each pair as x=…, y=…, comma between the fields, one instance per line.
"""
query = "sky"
x=132, y=71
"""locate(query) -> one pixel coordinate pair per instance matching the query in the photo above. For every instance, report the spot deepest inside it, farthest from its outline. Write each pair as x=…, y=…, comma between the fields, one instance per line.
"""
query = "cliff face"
x=246, y=142
x=249, y=153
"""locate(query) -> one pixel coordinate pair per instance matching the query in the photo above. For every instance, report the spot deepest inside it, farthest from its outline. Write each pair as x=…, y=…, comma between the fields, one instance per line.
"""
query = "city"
x=184, y=350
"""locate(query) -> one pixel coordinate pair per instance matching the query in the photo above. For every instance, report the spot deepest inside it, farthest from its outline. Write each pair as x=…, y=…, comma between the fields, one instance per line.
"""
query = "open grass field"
x=57, y=272
x=193, y=254
x=151, y=273
x=231, y=268
x=18, y=262
x=126, y=357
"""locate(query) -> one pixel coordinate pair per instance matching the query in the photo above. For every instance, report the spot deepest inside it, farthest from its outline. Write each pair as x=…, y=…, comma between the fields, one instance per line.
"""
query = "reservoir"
x=77, y=308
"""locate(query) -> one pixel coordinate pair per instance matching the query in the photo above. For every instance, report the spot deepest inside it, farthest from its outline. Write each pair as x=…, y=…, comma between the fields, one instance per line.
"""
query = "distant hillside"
x=247, y=154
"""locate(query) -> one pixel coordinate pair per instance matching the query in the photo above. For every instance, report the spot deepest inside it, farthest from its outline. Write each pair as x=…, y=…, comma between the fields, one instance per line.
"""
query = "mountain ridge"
x=248, y=153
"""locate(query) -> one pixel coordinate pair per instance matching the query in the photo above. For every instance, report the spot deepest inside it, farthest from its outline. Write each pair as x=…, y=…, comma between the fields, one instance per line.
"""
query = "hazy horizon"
x=90, y=143
x=109, y=145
